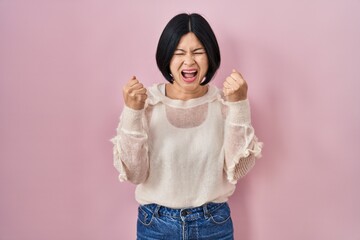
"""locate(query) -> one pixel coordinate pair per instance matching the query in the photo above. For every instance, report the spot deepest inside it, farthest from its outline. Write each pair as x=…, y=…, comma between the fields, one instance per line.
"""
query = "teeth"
x=191, y=71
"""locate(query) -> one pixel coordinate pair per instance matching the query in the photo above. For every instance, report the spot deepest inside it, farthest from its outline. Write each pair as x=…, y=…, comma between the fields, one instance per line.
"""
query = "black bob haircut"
x=177, y=27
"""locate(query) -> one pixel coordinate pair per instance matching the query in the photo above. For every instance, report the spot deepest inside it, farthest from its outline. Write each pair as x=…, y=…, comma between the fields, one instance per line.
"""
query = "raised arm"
x=130, y=143
x=241, y=145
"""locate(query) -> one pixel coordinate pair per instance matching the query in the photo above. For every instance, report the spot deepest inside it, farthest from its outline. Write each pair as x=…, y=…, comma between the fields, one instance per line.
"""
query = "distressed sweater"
x=185, y=153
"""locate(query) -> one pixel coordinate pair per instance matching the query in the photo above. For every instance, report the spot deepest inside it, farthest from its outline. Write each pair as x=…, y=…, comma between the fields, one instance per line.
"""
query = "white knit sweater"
x=185, y=153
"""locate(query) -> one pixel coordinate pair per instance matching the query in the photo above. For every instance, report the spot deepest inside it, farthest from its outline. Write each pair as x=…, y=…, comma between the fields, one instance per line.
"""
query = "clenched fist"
x=235, y=87
x=134, y=94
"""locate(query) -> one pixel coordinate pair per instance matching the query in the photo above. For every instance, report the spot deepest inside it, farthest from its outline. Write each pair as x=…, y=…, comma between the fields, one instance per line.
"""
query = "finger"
x=227, y=85
x=140, y=91
x=236, y=75
x=132, y=81
x=136, y=86
x=137, y=90
x=232, y=83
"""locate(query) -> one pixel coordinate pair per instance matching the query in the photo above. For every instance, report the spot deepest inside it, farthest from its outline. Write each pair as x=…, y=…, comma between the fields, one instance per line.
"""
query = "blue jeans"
x=211, y=221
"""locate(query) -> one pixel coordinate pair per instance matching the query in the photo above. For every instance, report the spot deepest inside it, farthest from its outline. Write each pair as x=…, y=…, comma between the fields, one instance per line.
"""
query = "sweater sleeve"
x=241, y=145
x=130, y=148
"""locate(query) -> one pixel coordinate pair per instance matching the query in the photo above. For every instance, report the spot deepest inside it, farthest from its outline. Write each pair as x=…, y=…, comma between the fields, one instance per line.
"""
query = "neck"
x=173, y=92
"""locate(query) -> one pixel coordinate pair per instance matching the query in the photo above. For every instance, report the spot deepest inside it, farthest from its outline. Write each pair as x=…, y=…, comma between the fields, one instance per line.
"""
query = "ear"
x=172, y=78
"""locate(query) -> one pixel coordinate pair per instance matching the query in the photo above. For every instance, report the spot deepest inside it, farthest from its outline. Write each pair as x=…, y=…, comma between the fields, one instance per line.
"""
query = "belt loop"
x=156, y=210
x=206, y=211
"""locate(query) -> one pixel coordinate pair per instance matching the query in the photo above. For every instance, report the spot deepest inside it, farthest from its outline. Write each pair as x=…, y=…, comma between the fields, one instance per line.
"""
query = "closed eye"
x=199, y=51
x=179, y=52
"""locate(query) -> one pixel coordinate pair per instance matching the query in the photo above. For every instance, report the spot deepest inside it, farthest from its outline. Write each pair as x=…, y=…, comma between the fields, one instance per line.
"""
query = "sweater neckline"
x=157, y=95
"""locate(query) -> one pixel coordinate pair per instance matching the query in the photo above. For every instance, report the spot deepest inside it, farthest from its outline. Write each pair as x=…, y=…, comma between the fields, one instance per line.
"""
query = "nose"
x=189, y=59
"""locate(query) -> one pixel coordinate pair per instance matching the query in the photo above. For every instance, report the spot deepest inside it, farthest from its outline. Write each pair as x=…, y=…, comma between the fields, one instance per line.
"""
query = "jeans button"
x=184, y=213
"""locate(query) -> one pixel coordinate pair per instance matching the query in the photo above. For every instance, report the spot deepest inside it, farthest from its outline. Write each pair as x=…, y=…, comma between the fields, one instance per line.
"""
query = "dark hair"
x=178, y=26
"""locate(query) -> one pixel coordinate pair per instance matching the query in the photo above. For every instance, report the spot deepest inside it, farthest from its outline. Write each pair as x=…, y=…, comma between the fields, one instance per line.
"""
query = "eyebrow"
x=196, y=49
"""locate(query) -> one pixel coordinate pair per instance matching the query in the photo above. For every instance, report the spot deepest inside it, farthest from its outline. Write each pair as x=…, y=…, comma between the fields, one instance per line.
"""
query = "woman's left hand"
x=235, y=87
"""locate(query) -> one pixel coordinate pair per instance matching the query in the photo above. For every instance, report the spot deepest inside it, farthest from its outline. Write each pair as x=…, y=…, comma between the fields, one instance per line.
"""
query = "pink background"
x=62, y=68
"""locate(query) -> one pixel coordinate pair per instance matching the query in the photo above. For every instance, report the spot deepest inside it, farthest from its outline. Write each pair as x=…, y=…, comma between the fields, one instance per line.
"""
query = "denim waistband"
x=204, y=210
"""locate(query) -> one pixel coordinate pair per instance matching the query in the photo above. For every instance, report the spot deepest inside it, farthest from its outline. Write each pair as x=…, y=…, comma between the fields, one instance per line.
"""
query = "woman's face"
x=189, y=65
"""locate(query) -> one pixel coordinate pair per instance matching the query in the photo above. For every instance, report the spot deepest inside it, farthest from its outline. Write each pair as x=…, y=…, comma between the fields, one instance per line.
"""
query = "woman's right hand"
x=134, y=94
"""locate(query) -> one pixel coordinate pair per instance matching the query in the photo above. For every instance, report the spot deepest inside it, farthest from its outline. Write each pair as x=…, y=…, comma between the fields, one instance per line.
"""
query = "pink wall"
x=62, y=66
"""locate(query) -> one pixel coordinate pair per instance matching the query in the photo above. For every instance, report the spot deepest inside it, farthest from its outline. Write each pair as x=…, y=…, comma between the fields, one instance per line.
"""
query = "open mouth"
x=189, y=75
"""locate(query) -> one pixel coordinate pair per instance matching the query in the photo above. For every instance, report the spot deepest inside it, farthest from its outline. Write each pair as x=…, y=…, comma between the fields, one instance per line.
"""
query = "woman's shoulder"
x=155, y=93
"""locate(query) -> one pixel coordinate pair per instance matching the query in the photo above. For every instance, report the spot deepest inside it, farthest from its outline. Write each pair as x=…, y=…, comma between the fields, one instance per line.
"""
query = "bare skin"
x=134, y=94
